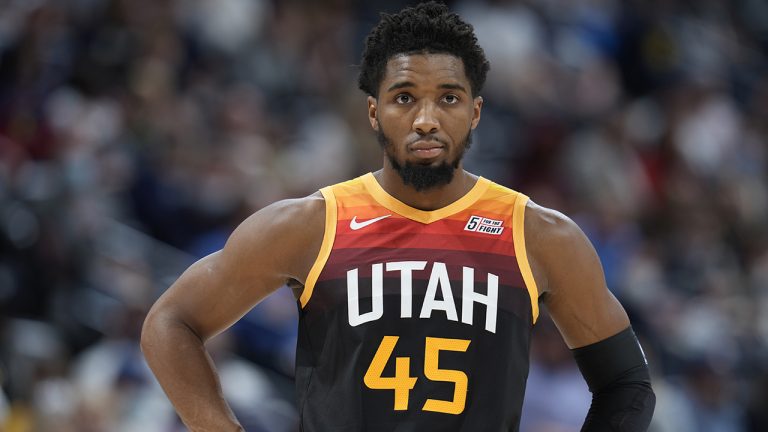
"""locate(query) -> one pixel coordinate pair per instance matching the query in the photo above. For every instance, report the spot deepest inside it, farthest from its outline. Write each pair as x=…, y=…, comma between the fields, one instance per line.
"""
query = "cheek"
x=394, y=123
x=461, y=125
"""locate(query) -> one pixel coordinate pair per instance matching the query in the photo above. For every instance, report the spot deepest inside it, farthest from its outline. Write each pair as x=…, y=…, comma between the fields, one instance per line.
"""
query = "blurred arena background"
x=135, y=134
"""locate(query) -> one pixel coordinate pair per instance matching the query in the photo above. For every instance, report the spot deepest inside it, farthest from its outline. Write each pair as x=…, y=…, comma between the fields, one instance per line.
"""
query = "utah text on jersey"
x=438, y=279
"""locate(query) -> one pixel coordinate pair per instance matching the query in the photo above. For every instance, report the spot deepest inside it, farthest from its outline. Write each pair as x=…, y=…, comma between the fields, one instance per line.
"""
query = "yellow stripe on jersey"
x=518, y=228
x=325, y=247
x=425, y=217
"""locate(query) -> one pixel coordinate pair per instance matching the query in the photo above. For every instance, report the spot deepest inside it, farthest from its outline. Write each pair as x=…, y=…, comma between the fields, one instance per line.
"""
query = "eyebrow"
x=401, y=84
x=453, y=87
x=407, y=84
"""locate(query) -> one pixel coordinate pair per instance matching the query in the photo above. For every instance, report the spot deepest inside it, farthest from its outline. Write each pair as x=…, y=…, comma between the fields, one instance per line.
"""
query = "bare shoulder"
x=274, y=245
x=547, y=223
x=288, y=214
x=554, y=242
x=288, y=232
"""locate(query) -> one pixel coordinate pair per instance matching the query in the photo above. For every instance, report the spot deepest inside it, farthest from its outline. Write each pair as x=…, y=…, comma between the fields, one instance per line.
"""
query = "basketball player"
x=417, y=285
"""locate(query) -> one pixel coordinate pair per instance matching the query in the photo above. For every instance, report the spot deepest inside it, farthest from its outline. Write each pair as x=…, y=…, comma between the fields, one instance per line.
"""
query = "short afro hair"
x=429, y=28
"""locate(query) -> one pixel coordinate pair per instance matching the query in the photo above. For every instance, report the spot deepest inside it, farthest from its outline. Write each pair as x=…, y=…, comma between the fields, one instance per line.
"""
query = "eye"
x=403, y=98
x=451, y=99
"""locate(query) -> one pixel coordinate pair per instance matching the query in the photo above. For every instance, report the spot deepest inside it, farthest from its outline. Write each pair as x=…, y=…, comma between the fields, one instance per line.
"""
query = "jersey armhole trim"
x=518, y=232
x=329, y=235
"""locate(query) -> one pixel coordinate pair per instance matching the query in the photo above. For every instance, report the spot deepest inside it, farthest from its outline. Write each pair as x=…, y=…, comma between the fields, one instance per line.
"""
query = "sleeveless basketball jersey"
x=416, y=320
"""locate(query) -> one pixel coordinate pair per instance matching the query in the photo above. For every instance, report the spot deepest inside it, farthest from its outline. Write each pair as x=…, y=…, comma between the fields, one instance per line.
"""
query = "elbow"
x=157, y=328
x=149, y=332
x=162, y=325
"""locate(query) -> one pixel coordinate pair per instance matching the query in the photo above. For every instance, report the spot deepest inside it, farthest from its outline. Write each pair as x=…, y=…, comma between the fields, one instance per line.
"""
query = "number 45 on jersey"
x=402, y=383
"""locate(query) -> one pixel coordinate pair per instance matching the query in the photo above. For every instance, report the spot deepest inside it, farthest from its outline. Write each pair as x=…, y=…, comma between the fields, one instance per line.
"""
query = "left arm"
x=592, y=322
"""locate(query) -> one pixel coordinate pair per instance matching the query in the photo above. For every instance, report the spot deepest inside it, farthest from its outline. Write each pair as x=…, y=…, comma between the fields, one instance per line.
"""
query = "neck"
x=429, y=199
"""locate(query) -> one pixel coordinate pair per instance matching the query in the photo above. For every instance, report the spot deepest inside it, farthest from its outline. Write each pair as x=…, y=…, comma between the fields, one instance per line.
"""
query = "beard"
x=423, y=176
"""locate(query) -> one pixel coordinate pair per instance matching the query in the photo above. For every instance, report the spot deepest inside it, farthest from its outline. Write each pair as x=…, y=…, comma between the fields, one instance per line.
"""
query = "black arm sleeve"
x=617, y=374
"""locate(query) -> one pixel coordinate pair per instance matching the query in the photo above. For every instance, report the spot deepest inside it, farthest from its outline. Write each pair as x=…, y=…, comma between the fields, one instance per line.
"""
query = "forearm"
x=186, y=372
x=618, y=377
x=626, y=406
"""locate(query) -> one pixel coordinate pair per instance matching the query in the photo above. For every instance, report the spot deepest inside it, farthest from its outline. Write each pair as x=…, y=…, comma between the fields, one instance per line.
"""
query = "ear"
x=476, y=108
x=372, y=109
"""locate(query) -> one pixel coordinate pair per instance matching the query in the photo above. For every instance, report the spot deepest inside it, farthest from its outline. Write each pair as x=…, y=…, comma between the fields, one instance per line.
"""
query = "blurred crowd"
x=136, y=134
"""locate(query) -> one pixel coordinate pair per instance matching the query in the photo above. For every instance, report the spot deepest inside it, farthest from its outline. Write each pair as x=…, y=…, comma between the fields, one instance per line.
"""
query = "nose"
x=426, y=119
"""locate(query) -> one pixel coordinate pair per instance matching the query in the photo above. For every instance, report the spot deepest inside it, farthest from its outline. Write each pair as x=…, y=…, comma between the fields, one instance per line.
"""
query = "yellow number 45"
x=402, y=383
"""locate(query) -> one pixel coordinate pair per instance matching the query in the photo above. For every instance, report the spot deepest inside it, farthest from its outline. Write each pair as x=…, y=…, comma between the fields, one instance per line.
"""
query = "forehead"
x=428, y=70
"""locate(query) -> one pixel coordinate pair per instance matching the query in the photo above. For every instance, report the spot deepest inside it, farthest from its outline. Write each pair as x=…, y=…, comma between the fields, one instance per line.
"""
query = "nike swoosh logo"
x=355, y=225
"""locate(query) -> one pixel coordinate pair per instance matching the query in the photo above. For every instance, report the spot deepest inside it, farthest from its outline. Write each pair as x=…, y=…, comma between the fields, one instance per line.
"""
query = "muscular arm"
x=276, y=244
x=570, y=279
x=592, y=322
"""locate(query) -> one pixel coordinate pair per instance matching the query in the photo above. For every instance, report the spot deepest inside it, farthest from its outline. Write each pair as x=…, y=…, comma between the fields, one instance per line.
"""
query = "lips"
x=426, y=150
x=426, y=145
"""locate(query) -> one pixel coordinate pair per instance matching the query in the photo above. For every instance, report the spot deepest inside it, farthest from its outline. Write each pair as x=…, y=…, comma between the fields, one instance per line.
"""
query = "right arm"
x=276, y=244
x=591, y=320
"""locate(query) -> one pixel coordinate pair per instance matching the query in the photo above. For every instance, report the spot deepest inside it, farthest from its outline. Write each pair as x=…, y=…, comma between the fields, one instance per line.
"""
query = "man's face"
x=423, y=116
